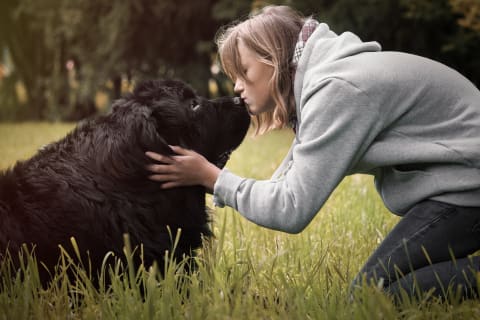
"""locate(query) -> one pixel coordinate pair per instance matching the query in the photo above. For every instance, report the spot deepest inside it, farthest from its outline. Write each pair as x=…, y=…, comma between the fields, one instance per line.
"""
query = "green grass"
x=246, y=272
x=18, y=141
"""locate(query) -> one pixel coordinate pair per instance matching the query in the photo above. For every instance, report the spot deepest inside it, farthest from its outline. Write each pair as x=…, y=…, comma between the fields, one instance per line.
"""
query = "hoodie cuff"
x=225, y=189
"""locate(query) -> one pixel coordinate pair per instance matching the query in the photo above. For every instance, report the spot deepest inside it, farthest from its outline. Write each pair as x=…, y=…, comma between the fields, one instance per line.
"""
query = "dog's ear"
x=149, y=138
x=162, y=147
x=149, y=91
x=141, y=123
x=120, y=103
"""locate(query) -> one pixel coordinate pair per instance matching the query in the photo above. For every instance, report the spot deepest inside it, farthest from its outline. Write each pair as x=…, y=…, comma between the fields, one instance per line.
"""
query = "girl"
x=411, y=122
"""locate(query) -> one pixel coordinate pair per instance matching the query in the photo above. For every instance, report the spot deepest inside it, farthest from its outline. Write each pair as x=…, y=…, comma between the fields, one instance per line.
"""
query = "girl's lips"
x=247, y=105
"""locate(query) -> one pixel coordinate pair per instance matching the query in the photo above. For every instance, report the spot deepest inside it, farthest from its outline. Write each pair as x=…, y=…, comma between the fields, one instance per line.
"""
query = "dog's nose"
x=229, y=101
x=237, y=101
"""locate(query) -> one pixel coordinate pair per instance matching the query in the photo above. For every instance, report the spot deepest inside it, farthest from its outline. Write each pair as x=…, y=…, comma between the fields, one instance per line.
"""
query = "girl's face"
x=254, y=89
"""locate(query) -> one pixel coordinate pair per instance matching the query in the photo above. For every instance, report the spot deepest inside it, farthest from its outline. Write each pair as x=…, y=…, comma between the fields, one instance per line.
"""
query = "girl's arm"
x=338, y=123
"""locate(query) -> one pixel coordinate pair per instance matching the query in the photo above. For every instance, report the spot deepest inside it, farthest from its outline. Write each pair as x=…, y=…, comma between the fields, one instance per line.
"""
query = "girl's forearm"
x=210, y=177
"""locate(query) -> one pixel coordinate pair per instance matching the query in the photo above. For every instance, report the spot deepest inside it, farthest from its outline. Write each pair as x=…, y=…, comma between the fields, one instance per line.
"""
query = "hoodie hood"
x=324, y=47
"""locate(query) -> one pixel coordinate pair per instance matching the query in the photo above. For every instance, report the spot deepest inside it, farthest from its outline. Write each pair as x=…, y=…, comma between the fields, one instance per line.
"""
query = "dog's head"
x=178, y=116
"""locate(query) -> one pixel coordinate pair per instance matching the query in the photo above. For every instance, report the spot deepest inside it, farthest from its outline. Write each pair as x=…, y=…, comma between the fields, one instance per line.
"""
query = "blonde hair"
x=271, y=33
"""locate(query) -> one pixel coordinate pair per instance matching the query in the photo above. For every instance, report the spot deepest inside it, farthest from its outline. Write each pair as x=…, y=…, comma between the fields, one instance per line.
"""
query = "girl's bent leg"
x=441, y=279
x=430, y=233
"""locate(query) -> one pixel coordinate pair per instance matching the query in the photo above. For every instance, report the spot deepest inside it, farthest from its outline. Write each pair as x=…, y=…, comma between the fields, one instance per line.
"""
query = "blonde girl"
x=412, y=123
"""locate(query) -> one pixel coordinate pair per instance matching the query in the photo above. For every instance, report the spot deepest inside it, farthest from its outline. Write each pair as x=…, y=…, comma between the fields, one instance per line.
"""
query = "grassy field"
x=246, y=272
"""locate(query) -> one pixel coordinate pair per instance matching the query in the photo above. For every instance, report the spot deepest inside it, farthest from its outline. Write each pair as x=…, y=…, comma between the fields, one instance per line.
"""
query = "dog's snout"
x=229, y=101
x=237, y=101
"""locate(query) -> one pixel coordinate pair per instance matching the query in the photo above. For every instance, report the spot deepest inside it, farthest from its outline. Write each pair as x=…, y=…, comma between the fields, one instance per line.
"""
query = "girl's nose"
x=238, y=88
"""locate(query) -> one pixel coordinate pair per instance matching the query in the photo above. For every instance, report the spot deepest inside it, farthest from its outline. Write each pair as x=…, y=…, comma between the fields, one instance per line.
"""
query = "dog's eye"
x=194, y=105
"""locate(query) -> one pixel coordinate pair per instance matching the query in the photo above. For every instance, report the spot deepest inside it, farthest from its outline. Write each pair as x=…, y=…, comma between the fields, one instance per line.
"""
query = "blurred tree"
x=29, y=53
x=470, y=11
x=64, y=52
x=113, y=43
x=103, y=45
x=231, y=10
x=435, y=25
x=424, y=27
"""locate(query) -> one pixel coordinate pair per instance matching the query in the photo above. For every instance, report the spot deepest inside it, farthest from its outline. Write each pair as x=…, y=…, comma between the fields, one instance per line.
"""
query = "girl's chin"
x=251, y=111
x=254, y=110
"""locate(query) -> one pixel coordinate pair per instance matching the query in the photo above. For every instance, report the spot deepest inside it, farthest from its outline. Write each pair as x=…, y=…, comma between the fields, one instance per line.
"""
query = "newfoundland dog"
x=92, y=185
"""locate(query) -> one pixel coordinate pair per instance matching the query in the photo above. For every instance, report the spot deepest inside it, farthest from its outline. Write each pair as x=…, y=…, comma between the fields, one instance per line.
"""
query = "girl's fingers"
x=168, y=185
x=169, y=159
x=176, y=170
x=160, y=168
x=180, y=151
x=158, y=157
x=165, y=180
x=161, y=177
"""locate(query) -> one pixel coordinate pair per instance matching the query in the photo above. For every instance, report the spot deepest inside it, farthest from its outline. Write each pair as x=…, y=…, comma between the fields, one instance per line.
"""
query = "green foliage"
x=245, y=272
x=470, y=13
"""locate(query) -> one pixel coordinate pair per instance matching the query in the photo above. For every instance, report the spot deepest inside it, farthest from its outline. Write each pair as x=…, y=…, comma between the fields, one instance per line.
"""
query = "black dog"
x=92, y=185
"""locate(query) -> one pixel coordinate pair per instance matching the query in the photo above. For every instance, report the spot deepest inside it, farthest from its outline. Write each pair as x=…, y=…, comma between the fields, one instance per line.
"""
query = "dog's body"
x=92, y=185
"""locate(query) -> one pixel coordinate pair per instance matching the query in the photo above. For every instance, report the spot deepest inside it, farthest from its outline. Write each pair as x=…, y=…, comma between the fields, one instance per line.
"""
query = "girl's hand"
x=186, y=168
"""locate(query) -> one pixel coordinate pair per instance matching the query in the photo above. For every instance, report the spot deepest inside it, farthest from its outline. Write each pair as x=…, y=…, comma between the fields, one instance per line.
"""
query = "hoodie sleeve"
x=337, y=125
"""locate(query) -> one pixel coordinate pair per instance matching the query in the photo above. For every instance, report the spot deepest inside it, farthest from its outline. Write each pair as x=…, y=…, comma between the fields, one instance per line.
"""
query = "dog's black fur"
x=92, y=185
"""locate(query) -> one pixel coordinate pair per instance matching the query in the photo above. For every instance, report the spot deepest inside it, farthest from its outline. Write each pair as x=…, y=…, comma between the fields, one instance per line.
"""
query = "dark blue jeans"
x=428, y=250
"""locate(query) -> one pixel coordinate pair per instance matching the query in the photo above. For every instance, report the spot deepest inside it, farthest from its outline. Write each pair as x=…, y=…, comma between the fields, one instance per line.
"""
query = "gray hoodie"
x=411, y=122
